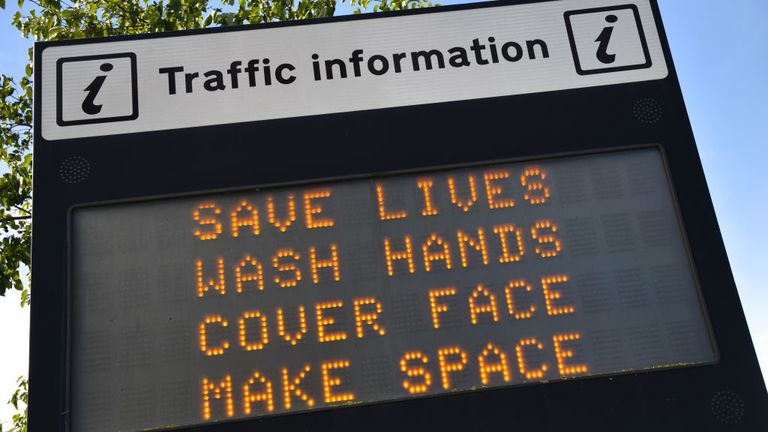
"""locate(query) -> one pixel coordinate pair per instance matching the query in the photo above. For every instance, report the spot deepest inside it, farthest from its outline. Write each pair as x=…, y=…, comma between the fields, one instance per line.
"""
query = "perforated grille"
x=74, y=169
x=727, y=407
x=648, y=111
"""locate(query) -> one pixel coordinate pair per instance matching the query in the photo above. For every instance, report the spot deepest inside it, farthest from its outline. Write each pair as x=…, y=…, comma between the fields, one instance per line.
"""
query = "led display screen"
x=279, y=300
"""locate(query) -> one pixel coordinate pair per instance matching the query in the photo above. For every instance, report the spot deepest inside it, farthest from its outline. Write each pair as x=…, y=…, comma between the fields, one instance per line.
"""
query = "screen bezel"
x=264, y=188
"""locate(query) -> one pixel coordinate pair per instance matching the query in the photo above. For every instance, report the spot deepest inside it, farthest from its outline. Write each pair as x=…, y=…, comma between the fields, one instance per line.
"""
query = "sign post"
x=461, y=218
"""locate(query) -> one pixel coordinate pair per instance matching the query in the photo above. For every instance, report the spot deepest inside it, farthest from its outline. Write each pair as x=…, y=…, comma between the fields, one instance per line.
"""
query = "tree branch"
x=129, y=14
x=22, y=209
x=15, y=218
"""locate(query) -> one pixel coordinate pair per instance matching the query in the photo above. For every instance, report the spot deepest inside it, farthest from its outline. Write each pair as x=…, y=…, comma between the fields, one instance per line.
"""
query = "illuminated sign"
x=359, y=291
x=466, y=218
x=271, y=73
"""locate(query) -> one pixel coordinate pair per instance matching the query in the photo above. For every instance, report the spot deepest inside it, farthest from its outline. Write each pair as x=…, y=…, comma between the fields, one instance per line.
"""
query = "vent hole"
x=74, y=169
x=648, y=111
x=727, y=407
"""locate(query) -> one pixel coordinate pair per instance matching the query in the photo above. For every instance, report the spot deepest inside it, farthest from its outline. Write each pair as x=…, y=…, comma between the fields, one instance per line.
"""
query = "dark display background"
x=136, y=361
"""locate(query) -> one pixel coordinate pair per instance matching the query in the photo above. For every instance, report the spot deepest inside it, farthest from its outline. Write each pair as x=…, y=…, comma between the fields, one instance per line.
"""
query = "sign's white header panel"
x=173, y=82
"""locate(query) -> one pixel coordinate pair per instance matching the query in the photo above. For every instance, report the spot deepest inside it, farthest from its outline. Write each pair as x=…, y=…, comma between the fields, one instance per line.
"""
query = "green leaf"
x=53, y=32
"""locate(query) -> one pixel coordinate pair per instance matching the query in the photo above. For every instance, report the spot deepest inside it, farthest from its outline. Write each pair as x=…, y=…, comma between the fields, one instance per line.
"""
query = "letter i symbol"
x=93, y=89
x=604, y=39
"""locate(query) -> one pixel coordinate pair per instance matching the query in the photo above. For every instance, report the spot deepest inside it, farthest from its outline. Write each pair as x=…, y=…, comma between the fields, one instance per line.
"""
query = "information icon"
x=96, y=89
x=609, y=39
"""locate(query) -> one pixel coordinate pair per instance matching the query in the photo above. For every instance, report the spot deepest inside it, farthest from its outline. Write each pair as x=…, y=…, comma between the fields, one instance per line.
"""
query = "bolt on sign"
x=464, y=218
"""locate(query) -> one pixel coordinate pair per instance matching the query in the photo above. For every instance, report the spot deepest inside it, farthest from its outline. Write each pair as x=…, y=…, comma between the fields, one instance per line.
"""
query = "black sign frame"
x=727, y=395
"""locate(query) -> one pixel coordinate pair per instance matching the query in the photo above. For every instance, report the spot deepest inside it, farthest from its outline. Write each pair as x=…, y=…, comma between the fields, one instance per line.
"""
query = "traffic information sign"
x=460, y=218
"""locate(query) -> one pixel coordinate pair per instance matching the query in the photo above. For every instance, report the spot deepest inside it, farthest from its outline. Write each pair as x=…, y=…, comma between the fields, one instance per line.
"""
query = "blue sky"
x=719, y=49
x=721, y=59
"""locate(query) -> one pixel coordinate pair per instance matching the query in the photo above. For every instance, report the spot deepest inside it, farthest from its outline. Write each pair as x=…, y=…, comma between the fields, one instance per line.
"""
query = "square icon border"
x=59, y=92
x=646, y=52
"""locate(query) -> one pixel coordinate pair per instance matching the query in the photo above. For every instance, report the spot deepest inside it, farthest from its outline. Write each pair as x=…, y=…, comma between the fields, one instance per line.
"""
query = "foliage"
x=19, y=402
x=47, y=20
